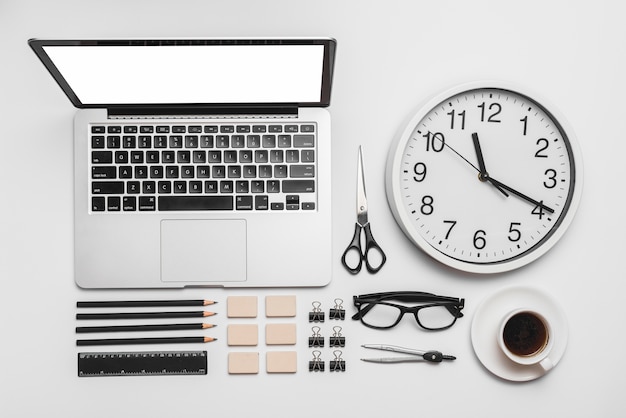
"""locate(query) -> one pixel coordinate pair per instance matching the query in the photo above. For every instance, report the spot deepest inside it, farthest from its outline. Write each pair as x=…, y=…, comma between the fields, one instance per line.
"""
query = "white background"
x=391, y=57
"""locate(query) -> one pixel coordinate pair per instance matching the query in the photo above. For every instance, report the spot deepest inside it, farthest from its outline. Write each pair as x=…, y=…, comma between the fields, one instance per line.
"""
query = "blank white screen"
x=191, y=74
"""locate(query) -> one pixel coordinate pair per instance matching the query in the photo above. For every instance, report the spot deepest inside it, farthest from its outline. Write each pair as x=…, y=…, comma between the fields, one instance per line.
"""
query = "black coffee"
x=525, y=334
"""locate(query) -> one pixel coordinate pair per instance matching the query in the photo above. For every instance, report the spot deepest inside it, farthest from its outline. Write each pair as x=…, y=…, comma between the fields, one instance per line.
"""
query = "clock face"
x=484, y=178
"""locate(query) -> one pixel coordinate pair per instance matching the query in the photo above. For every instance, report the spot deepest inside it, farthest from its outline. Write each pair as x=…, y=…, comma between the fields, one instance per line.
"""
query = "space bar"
x=195, y=203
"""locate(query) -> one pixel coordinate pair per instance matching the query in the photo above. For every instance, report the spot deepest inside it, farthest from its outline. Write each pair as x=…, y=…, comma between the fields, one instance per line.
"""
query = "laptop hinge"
x=203, y=112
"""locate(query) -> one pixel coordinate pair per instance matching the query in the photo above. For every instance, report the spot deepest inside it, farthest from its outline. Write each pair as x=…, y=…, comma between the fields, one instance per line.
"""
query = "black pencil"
x=154, y=327
x=143, y=303
x=169, y=340
x=144, y=315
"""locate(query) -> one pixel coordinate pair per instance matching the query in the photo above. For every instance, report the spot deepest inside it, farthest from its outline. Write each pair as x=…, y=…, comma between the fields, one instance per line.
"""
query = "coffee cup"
x=526, y=337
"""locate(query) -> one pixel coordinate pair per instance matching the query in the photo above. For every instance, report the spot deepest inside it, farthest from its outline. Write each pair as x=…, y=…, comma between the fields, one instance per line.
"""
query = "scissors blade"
x=361, y=198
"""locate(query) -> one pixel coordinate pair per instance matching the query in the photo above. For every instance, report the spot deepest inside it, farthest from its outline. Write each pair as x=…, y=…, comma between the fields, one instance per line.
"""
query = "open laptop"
x=199, y=162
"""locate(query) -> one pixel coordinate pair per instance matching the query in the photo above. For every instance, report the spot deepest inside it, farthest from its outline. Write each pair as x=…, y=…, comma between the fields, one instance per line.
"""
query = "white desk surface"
x=391, y=57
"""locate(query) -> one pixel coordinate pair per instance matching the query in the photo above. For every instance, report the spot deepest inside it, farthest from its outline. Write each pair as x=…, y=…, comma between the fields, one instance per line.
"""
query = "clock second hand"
x=496, y=183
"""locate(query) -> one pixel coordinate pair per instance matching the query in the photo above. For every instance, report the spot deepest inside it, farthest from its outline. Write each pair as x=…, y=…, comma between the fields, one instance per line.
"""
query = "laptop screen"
x=188, y=72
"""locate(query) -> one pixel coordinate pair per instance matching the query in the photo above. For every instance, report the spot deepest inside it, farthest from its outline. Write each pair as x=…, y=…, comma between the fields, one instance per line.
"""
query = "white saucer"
x=486, y=323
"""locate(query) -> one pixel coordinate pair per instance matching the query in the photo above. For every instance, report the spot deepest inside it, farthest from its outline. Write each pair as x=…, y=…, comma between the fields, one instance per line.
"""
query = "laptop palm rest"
x=203, y=251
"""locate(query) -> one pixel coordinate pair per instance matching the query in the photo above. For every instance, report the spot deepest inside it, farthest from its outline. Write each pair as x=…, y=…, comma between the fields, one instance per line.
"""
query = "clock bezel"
x=400, y=212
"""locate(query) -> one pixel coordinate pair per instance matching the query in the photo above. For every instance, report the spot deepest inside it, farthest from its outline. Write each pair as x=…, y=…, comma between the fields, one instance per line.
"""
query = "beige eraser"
x=241, y=306
x=280, y=306
x=282, y=362
x=243, y=363
x=243, y=334
x=280, y=334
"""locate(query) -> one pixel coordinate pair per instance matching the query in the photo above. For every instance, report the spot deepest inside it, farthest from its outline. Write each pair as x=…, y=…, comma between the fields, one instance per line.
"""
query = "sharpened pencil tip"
x=208, y=313
x=209, y=302
x=204, y=326
x=209, y=339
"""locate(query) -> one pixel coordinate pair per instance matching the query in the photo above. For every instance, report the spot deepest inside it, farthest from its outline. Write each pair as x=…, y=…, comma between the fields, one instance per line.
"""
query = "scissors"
x=362, y=226
x=432, y=356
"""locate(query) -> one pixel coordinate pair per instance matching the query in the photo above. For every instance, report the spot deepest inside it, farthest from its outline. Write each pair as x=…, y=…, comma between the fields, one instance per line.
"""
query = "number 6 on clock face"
x=484, y=178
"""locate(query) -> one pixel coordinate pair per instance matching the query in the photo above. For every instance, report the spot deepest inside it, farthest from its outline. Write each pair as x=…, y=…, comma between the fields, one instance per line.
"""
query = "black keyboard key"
x=114, y=203
x=259, y=128
x=183, y=157
x=308, y=205
x=243, y=129
x=163, y=129
x=298, y=186
x=195, y=129
x=146, y=129
x=147, y=203
x=145, y=141
x=176, y=141
x=244, y=202
x=114, y=129
x=107, y=187
x=165, y=187
x=129, y=141
x=284, y=141
x=304, y=170
x=180, y=187
x=291, y=128
x=105, y=172
x=307, y=156
x=168, y=203
x=129, y=203
x=307, y=128
x=97, y=129
x=168, y=157
x=101, y=157
x=113, y=141
x=97, y=141
x=206, y=141
x=133, y=187
x=275, y=128
x=210, y=129
x=227, y=129
x=121, y=157
x=98, y=203
x=179, y=129
x=130, y=129
x=304, y=141
x=260, y=202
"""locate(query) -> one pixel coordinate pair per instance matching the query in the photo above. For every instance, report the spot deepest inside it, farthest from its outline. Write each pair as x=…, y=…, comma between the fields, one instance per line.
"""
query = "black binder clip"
x=316, y=315
x=336, y=340
x=317, y=364
x=316, y=340
x=337, y=364
x=337, y=312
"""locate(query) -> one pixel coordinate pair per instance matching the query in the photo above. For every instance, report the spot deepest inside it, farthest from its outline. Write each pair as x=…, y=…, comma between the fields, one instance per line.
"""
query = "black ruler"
x=144, y=363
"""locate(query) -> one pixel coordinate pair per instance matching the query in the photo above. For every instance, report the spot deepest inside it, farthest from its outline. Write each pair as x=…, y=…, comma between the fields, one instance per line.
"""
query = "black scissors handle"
x=355, y=246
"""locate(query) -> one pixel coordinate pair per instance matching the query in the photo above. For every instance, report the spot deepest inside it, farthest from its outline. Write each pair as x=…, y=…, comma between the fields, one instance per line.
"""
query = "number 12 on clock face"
x=484, y=178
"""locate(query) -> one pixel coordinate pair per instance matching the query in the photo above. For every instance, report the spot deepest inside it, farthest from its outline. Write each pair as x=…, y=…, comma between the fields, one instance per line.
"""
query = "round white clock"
x=484, y=178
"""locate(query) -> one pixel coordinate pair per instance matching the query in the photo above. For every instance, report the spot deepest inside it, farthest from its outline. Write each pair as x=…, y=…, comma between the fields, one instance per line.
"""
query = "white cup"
x=529, y=338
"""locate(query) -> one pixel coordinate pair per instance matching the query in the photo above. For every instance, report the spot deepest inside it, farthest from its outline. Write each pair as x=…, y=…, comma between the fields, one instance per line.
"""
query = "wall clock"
x=485, y=177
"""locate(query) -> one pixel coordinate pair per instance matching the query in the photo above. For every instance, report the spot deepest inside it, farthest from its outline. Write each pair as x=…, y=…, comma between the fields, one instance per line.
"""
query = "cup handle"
x=547, y=364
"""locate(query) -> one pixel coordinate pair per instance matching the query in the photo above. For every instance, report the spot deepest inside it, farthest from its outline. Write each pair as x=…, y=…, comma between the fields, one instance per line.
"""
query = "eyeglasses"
x=376, y=310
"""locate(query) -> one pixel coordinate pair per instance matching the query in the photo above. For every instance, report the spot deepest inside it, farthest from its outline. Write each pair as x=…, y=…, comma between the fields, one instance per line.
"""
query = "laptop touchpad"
x=203, y=250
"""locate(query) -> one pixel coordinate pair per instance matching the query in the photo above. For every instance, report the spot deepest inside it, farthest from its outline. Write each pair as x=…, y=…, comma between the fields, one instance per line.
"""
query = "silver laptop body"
x=199, y=162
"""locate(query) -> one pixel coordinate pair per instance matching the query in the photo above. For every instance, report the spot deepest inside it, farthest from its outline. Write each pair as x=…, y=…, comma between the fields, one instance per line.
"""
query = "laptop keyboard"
x=202, y=167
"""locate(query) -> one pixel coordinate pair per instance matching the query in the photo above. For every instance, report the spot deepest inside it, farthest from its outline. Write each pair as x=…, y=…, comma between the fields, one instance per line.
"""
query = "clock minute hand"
x=483, y=175
x=519, y=194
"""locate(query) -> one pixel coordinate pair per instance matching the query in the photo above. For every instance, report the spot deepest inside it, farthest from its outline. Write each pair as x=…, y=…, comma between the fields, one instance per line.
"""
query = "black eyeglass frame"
x=453, y=305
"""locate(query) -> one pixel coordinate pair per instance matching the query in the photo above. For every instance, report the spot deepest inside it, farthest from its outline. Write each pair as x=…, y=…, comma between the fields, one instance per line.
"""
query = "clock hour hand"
x=519, y=194
x=483, y=175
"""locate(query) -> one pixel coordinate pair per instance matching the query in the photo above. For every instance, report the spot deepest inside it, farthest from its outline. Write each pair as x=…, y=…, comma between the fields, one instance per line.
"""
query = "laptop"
x=199, y=162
